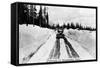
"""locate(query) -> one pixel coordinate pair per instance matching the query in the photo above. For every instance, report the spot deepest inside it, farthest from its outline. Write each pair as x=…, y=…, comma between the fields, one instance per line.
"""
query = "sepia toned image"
x=56, y=34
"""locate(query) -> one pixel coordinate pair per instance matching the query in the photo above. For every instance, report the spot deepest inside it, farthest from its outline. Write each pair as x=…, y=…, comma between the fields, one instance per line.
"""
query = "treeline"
x=27, y=14
x=78, y=26
x=72, y=26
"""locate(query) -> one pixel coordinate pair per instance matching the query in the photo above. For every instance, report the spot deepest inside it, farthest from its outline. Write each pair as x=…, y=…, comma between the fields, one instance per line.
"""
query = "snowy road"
x=52, y=50
x=43, y=54
x=63, y=51
x=83, y=54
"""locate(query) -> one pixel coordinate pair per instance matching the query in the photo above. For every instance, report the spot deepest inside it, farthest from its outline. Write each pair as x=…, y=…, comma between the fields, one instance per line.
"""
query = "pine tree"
x=77, y=25
x=68, y=26
x=47, y=17
x=40, y=16
x=64, y=25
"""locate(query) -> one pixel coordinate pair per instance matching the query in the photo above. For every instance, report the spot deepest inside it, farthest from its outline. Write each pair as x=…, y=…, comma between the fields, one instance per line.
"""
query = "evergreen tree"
x=64, y=25
x=77, y=25
x=40, y=16
x=47, y=17
x=68, y=26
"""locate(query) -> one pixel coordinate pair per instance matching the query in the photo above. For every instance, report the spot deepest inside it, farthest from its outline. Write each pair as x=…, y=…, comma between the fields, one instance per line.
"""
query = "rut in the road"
x=72, y=52
x=55, y=53
x=27, y=58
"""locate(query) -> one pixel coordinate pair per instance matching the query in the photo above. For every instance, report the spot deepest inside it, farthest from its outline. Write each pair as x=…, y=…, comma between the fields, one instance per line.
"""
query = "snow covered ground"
x=87, y=39
x=30, y=38
x=41, y=41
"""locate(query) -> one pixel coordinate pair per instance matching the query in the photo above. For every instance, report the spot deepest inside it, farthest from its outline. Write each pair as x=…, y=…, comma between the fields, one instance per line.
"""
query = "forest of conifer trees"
x=28, y=15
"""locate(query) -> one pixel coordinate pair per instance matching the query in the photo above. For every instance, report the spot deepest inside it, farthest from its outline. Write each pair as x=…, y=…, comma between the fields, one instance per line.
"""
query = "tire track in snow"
x=43, y=53
x=55, y=52
x=26, y=59
x=73, y=53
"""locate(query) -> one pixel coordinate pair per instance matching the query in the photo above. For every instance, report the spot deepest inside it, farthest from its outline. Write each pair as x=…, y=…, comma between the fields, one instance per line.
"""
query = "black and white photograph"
x=49, y=33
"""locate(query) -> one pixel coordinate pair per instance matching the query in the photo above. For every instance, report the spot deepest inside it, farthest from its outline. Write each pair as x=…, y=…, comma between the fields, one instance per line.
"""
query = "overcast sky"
x=61, y=15
x=85, y=16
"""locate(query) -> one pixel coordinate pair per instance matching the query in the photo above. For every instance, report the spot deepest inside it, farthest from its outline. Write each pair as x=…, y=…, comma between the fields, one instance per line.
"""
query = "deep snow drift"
x=39, y=42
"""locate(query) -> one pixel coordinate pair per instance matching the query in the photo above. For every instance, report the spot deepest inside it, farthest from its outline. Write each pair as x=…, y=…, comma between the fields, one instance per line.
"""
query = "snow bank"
x=30, y=38
x=87, y=39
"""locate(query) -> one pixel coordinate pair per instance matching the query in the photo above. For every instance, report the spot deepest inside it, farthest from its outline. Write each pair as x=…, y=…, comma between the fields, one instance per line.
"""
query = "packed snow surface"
x=41, y=41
